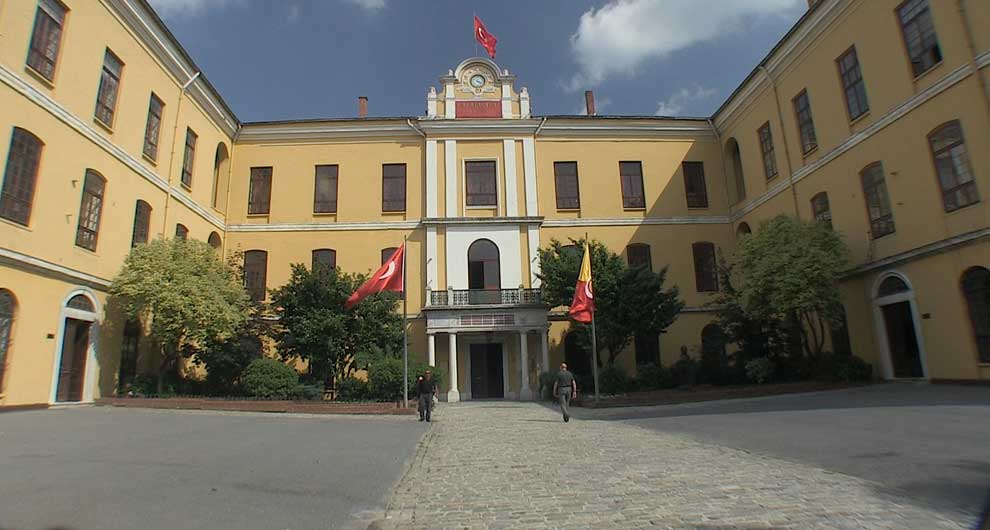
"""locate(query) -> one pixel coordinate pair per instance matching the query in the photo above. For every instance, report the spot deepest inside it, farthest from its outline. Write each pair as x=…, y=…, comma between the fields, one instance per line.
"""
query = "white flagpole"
x=594, y=339
x=405, y=331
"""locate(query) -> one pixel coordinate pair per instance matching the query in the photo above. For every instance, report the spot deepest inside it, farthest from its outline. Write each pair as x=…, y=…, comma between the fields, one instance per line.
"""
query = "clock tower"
x=478, y=88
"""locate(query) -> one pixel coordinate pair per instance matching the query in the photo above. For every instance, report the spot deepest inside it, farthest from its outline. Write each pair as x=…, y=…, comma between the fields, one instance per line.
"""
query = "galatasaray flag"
x=387, y=278
x=584, y=297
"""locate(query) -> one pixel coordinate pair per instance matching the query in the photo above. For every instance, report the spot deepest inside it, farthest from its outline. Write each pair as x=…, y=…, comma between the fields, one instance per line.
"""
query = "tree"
x=225, y=360
x=789, y=271
x=188, y=294
x=628, y=301
x=314, y=326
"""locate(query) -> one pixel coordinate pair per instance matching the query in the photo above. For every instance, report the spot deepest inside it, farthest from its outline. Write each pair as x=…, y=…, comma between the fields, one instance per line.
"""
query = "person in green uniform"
x=565, y=388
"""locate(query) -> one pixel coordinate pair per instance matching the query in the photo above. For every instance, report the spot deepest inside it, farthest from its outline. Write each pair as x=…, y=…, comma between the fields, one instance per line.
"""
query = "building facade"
x=873, y=116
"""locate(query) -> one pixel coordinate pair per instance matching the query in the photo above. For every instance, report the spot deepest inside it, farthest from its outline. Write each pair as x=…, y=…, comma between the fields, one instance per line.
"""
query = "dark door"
x=486, y=371
x=904, y=352
x=72, y=368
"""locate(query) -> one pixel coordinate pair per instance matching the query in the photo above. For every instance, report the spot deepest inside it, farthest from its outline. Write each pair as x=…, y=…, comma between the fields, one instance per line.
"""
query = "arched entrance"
x=898, y=328
x=75, y=362
x=484, y=272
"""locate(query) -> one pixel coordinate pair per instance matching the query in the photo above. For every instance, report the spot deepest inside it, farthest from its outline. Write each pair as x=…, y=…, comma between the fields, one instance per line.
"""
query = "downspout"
x=416, y=128
x=725, y=182
x=226, y=206
x=171, y=158
x=783, y=137
x=543, y=122
x=971, y=43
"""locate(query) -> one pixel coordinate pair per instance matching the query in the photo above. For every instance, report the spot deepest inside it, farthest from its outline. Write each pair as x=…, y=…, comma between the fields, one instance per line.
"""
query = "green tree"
x=189, y=295
x=628, y=301
x=789, y=271
x=314, y=326
x=226, y=359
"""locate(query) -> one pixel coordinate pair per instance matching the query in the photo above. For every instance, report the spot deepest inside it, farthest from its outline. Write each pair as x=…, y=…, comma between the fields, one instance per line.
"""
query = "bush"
x=302, y=392
x=419, y=368
x=760, y=370
x=547, y=379
x=653, y=377
x=685, y=370
x=613, y=380
x=268, y=378
x=144, y=385
x=385, y=378
x=353, y=389
x=844, y=368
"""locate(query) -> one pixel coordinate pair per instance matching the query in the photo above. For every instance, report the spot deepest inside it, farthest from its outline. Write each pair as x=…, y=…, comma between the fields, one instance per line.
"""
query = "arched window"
x=255, y=274
x=80, y=302
x=576, y=355
x=387, y=253
x=767, y=151
x=877, y=200
x=638, y=255
x=952, y=166
x=892, y=285
x=142, y=223
x=128, y=356
x=214, y=240
x=976, y=289
x=705, y=270
x=181, y=232
x=713, y=340
x=221, y=162
x=20, y=177
x=738, y=179
x=743, y=229
x=483, y=265
x=324, y=257
x=7, y=307
x=820, y=209
x=90, y=210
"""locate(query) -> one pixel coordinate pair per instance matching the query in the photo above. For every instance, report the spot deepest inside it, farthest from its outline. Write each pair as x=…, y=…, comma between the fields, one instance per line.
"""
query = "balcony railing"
x=471, y=297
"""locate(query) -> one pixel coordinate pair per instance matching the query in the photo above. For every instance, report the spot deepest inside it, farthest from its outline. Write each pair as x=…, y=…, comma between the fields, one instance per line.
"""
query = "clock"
x=477, y=81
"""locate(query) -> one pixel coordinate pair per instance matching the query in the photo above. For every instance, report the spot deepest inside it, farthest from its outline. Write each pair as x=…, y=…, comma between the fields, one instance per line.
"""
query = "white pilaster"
x=453, y=396
x=448, y=100
x=545, y=350
x=431, y=103
x=507, y=100
x=524, y=103
x=529, y=169
x=432, y=342
x=511, y=197
x=525, y=393
x=431, y=178
x=450, y=176
x=533, y=236
x=432, y=278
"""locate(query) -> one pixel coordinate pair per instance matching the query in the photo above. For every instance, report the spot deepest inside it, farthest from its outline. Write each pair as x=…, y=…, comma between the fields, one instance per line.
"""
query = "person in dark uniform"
x=565, y=388
x=426, y=389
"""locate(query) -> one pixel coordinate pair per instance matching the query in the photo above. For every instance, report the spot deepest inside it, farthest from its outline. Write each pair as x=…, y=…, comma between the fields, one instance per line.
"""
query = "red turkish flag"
x=387, y=278
x=584, y=296
x=486, y=39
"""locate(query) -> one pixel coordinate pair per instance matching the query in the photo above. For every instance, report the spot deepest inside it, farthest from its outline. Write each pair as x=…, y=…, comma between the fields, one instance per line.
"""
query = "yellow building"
x=872, y=115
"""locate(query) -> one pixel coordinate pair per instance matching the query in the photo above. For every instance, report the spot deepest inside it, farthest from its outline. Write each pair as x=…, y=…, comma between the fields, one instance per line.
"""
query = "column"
x=545, y=350
x=525, y=394
x=453, y=396
x=432, y=341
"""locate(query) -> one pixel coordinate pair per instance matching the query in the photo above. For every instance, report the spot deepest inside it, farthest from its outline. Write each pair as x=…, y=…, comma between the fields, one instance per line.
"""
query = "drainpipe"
x=725, y=182
x=783, y=137
x=416, y=128
x=540, y=127
x=971, y=43
x=171, y=158
x=230, y=175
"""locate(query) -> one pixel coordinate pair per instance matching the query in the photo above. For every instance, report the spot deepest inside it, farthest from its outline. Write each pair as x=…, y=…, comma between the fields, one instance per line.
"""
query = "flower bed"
x=252, y=405
x=705, y=393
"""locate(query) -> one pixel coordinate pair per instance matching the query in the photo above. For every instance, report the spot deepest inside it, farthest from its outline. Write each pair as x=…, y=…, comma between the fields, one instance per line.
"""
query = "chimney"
x=589, y=102
x=362, y=106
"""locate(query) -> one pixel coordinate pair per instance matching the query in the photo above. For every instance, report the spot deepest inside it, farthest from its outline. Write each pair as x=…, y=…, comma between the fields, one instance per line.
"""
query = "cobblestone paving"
x=518, y=466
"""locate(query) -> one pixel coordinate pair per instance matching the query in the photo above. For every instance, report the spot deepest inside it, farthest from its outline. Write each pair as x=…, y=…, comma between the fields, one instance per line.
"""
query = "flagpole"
x=405, y=331
x=594, y=339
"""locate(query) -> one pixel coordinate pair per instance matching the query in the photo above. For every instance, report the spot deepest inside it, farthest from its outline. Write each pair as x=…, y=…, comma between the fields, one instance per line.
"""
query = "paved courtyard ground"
x=902, y=455
x=95, y=468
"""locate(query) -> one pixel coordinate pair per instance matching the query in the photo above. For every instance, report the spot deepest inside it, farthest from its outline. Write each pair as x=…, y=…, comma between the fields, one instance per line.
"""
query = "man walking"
x=565, y=388
x=426, y=389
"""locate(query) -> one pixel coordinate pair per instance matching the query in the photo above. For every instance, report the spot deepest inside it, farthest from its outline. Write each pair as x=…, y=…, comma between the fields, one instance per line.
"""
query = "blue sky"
x=289, y=59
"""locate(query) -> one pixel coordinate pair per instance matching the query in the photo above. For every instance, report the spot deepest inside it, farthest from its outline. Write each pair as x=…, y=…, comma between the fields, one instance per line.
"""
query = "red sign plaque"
x=479, y=109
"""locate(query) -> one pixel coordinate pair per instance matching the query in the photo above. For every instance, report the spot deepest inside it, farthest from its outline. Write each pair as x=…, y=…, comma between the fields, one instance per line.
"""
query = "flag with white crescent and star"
x=483, y=37
x=387, y=278
x=584, y=296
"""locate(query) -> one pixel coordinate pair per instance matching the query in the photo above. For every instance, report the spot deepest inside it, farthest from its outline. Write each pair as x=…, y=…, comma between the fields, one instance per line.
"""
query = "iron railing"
x=470, y=297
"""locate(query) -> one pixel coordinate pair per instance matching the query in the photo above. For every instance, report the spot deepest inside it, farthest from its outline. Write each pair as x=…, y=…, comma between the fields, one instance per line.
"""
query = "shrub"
x=547, y=380
x=385, y=378
x=845, y=368
x=353, y=389
x=144, y=385
x=760, y=370
x=268, y=378
x=613, y=380
x=302, y=392
x=685, y=370
x=653, y=377
x=419, y=368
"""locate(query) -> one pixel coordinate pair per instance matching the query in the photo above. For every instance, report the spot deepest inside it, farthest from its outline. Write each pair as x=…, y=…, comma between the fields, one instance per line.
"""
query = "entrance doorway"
x=72, y=367
x=487, y=378
x=897, y=327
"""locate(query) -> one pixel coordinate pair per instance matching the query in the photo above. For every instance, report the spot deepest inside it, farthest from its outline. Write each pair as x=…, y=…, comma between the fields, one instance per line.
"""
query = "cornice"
x=54, y=270
x=313, y=131
x=923, y=251
x=448, y=221
x=507, y=126
x=599, y=129
x=638, y=221
x=324, y=227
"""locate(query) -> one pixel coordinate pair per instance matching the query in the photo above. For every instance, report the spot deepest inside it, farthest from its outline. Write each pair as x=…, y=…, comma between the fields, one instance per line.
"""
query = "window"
x=481, y=183
x=820, y=209
x=20, y=176
x=128, y=356
x=976, y=289
x=565, y=178
x=325, y=257
x=260, y=193
x=7, y=307
x=877, y=200
x=80, y=302
x=188, y=157
x=221, y=166
x=325, y=194
x=387, y=253
x=255, y=273
x=766, y=148
x=737, y=169
x=743, y=229
x=919, y=35
x=638, y=255
x=393, y=187
x=631, y=174
x=90, y=210
x=852, y=84
x=705, y=275
x=806, y=127
x=484, y=271
x=181, y=232
x=647, y=350
x=694, y=184
x=214, y=240
x=892, y=285
x=106, y=97
x=48, y=21
x=952, y=166
x=142, y=223
x=152, y=128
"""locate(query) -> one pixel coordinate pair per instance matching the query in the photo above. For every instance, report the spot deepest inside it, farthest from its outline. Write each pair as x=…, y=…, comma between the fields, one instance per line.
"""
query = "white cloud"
x=294, y=13
x=168, y=8
x=674, y=104
x=618, y=37
x=370, y=5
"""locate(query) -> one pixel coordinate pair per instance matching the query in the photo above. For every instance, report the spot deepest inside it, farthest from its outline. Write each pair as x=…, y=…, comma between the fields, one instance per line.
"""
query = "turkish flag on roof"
x=387, y=278
x=584, y=296
x=486, y=39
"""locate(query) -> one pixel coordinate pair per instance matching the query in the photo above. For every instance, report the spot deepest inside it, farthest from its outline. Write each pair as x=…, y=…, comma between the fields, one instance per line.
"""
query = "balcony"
x=453, y=298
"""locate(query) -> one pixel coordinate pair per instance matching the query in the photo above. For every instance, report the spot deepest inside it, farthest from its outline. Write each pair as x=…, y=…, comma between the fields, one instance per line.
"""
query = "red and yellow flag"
x=584, y=296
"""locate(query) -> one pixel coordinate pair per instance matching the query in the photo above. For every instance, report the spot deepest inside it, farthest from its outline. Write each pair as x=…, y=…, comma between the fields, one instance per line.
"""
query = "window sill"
x=16, y=224
x=634, y=208
x=931, y=69
x=257, y=215
x=773, y=177
x=574, y=210
x=150, y=160
x=857, y=119
x=874, y=238
x=393, y=212
x=104, y=126
x=479, y=207
x=87, y=251
x=961, y=208
x=813, y=150
x=40, y=77
x=187, y=188
x=696, y=208
x=324, y=214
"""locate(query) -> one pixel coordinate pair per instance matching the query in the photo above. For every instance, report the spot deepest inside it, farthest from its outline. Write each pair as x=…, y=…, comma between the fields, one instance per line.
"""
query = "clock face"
x=477, y=81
